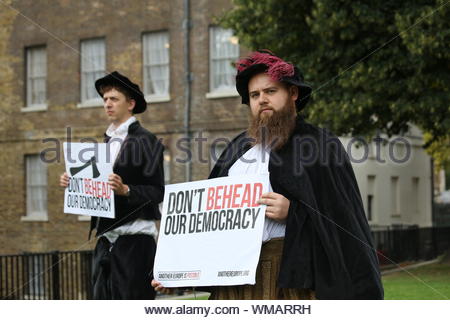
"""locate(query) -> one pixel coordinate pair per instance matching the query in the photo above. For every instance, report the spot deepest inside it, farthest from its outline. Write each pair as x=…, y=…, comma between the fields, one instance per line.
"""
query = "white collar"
x=121, y=130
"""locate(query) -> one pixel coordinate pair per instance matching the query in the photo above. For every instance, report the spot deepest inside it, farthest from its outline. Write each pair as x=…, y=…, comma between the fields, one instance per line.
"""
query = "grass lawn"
x=430, y=282
x=434, y=283
x=201, y=297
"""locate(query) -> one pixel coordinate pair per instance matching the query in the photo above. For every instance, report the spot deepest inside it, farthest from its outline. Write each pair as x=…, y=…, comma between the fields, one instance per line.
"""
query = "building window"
x=224, y=52
x=395, y=197
x=156, y=66
x=167, y=161
x=36, y=71
x=415, y=194
x=92, y=68
x=36, y=193
x=370, y=196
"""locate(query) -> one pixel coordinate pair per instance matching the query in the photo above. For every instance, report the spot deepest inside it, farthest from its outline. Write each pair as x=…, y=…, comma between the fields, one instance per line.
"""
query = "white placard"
x=88, y=193
x=211, y=232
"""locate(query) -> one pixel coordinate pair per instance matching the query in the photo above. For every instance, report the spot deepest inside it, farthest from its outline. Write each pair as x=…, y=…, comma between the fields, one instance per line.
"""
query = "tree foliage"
x=375, y=66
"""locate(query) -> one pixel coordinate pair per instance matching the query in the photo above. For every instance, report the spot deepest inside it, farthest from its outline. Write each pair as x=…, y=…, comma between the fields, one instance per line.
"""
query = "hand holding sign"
x=64, y=180
x=277, y=206
x=160, y=288
x=115, y=181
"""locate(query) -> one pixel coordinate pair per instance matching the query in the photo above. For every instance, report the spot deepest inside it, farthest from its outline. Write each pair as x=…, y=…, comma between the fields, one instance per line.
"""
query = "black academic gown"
x=328, y=245
x=140, y=165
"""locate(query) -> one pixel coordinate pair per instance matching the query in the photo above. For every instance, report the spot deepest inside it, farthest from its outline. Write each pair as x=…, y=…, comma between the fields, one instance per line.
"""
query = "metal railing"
x=67, y=275
x=53, y=275
x=399, y=244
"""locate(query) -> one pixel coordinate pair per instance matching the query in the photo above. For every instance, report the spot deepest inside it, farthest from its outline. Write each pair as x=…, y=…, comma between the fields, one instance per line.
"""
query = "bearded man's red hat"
x=264, y=61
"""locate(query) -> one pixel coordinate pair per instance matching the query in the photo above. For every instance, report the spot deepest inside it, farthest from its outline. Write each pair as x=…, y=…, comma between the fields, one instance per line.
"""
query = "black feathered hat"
x=115, y=79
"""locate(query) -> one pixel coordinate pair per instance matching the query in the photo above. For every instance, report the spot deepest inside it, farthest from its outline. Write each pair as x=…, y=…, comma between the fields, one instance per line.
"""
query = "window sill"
x=222, y=94
x=34, y=218
x=94, y=103
x=34, y=108
x=157, y=98
x=84, y=218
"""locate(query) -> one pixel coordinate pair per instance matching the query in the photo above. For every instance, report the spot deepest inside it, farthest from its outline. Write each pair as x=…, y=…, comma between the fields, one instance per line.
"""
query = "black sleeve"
x=152, y=187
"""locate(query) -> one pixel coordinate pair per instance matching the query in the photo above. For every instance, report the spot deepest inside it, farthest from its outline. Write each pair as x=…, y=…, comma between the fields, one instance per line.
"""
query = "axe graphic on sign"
x=91, y=162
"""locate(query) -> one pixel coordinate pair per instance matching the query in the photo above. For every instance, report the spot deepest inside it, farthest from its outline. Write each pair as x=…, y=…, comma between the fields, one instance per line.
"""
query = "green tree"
x=375, y=66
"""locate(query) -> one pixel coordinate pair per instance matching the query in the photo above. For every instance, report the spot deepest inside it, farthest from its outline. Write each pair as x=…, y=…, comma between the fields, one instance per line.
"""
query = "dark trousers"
x=123, y=270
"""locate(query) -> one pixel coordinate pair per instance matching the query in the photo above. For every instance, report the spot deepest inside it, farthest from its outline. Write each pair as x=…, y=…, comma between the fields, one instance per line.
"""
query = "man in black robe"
x=316, y=240
x=126, y=246
x=327, y=243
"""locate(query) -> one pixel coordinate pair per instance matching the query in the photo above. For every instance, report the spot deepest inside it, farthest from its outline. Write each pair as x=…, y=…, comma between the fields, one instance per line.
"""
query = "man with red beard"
x=316, y=239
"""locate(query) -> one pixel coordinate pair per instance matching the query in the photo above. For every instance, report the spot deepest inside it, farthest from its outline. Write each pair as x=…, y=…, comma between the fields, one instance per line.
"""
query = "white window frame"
x=371, y=191
x=395, y=196
x=226, y=91
x=32, y=162
x=155, y=58
x=35, y=55
x=415, y=185
x=91, y=69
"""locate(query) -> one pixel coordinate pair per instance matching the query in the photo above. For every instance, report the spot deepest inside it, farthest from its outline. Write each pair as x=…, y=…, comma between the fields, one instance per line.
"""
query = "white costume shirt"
x=255, y=161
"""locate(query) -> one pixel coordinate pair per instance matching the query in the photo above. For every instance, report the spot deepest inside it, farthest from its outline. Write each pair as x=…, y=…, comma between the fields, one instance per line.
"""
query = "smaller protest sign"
x=88, y=166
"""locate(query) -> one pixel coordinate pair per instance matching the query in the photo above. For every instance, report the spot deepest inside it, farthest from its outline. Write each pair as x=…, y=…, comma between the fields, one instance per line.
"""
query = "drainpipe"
x=187, y=86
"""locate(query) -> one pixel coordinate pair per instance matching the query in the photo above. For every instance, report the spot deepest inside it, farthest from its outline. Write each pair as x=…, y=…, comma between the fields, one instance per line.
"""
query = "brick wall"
x=121, y=23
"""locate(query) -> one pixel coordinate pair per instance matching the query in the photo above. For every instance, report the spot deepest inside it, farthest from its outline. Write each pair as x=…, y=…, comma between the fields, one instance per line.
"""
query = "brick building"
x=50, y=54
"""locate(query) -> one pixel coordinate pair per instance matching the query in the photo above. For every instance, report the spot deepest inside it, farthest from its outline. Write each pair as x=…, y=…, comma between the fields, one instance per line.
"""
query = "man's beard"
x=272, y=131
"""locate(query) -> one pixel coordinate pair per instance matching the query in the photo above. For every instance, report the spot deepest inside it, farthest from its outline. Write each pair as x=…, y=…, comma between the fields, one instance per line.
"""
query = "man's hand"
x=277, y=206
x=64, y=180
x=159, y=287
x=115, y=181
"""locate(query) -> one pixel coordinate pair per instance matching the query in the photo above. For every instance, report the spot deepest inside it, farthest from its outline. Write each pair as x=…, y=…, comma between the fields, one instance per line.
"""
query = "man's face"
x=117, y=107
x=273, y=111
x=268, y=96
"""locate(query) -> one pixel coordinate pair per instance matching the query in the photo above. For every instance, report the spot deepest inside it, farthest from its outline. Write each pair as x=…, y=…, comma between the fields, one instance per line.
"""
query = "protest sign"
x=88, y=166
x=211, y=232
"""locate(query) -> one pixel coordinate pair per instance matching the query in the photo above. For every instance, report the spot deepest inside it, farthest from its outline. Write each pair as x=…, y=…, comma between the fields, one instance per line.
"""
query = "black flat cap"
x=115, y=79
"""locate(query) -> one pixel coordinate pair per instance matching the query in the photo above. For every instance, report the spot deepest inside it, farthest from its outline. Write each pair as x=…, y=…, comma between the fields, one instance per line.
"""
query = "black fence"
x=53, y=275
x=67, y=275
x=400, y=244
x=441, y=216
